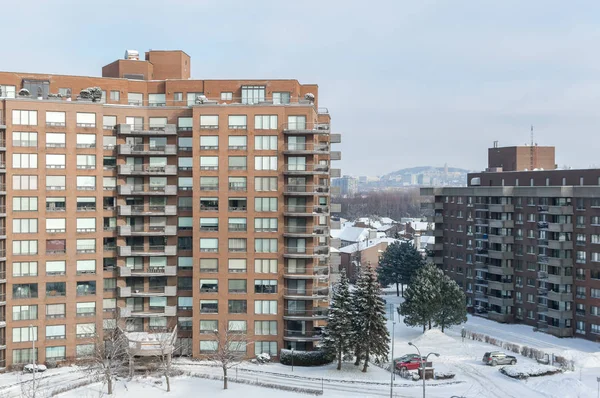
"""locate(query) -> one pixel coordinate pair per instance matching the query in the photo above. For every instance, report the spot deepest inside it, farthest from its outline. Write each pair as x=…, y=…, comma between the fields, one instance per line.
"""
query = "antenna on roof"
x=531, y=151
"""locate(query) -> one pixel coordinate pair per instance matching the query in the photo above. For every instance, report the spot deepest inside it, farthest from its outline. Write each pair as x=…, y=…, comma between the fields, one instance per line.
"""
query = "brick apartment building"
x=200, y=204
x=524, y=244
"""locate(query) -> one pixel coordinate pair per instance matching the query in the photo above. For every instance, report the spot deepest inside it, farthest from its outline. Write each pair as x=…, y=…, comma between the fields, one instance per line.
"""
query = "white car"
x=29, y=368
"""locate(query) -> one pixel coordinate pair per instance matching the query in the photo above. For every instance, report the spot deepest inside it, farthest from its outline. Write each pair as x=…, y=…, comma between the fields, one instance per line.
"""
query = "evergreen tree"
x=452, y=309
x=398, y=265
x=422, y=297
x=371, y=338
x=338, y=332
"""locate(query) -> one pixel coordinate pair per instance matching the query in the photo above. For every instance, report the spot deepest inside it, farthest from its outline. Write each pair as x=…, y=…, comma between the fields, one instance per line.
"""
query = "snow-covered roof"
x=366, y=244
x=419, y=225
x=335, y=233
x=354, y=234
x=387, y=220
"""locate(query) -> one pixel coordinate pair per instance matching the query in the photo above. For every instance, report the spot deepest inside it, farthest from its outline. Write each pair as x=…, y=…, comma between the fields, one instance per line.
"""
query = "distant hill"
x=422, y=169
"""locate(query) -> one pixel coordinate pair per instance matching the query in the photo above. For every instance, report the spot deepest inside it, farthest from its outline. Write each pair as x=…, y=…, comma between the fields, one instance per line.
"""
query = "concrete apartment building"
x=168, y=201
x=524, y=244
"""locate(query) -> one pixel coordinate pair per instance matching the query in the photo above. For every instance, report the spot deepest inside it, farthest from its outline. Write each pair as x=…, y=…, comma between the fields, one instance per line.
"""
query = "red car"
x=408, y=362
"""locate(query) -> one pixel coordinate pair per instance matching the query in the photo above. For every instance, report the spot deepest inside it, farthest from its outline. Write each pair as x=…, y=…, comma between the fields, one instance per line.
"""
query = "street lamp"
x=598, y=380
x=423, y=361
x=292, y=359
x=393, y=363
x=33, y=361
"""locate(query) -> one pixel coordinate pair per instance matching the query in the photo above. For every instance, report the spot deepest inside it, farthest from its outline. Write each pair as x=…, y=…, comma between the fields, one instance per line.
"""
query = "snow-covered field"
x=473, y=378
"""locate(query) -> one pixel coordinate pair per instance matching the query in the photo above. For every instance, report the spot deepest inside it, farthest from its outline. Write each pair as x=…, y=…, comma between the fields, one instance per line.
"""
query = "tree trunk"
x=424, y=327
x=442, y=327
x=430, y=324
x=224, y=377
x=402, y=287
x=340, y=353
x=357, y=354
x=398, y=290
x=168, y=381
x=366, y=362
x=109, y=385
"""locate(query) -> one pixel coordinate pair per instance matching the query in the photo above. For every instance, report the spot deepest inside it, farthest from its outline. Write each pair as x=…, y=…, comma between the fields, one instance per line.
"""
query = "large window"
x=209, y=265
x=24, y=139
x=24, y=247
x=237, y=244
x=209, y=306
x=281, y=97
x=56, y=183
x=135, y=99
x=209, y=183
x=24, y=161
x=57, y=267
x=25, y=290
x=25, y=183
x=265, y=307
x=25, y=203
x=55, y=161
x=265, y=286
x=210, y=245
x=209, y=121
x=237, y=265
x=86, y=183
x=192, y=97
x=238, y=142
x=209, y=162
x=86, y=119
x=265, y=163
x=23, y=334
x=25, y=225
x=24, y=118
x=86, y=140
x=265, y=122
x=265, y=328
x=265, y=245
x=265, y=266
x=237, y=306
x=24, y=312
x=266, y=347
x=57, y=119
x=237, y=163
x=265, y=225
x=7, y=91
x=265, y=142
x=209, y=142
x=185, y=123
x=265, y=204
x=296, y=122
x=56, y=353
x=263, y=184
x=238, y=183
x=253, y=94
x=209, y=285
x=109, y=122
x=55, y=332
x=25, y=268
x=238, y=122
x=157, y=100
x=55, y=140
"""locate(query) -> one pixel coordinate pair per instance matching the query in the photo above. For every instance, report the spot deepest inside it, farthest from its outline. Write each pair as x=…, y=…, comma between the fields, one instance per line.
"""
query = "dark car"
x=494, y=358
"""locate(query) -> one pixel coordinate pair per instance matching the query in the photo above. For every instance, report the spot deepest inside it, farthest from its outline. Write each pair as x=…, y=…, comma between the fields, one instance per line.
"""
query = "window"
x=25, y=268
x=184, y=144
x=208, y=346
x=55, y=162
x=209, y=122
x=595, y=293
x=86, y=119
x=25, y=225
x=55, y=332
x=264, y=184
x=24, y=161
x=157, y=100
x=209, y=265
x=265, y=245
x=86, y=267
x=209, y=204
x=185, y=164
x=157, y=123
x=208, y=224
x=184, y=303
x=238, y=142
x=192, y=98
x=265, y=204
x=238, y=204
x=86, y=141
x=209, y=306
x=209, y=142
x=265, y=307
x=265, y=266
x=237, y=306
x=226, y=96
x=86, y=183
x=253, y=94
x=115, y=95
x=86, y=245
x=57, y=119
x=265, y=122
x=237, y=245
x=237, y=265
x=84, y=330
x=56, y=267
x=238, y=122
x=237, y=183
x=581, y=257
x=265, y=163
x=86, y=161
x=24, y=247
x=25, y=312
x=135, y=99
x=209, y=162
x=237, y=163
x=185, y=183
x=84, y=351
x=109, y=183
x=24, y=139
x=209, y=183
x=24, y=118
x=209, y=286
x=265, y=347
x=265, y=225
x=209, y=245
x=55, y=140
x=237, y=224
x=268, y=286
x=7, y=91
x=24, y=334
x=237, y=326
x=265, y=328
x=580, y=292
x=237, y=286
x=265, y=143
x=296, y=122
x=280, y=98
x=208, y=326
x=25, y=290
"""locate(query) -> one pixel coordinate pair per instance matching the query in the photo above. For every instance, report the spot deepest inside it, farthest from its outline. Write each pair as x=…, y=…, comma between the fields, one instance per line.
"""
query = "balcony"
x=438, y=219
x=500, y=301
x=141, y=210
x=560, y=280
x=143, y=149
x=306, y=252
x=498, y=317
x=141, y=230
x=302, y=211
x=438, y=233
x=304, y=231
x=500, y=255
x=128, y=312
x=560, y=245
x=561, y=331
x=139, y=130
x=306, y=294
x=146, y=169
x=435, y=246
x=306, y=190
x=560, y=296
x=306, y=128
x=156, y=190
x=501, y=239
x=496, y=285
x=502, y=271
x=501, y=223
x=315, y=313
x=438, y=260
x=168, y=291
x=305, y=149
x=147, y=251
x=335, y=138
x=169, y=270
x=555, y=261
x=305, y=169
x=335, y=155
x=493, y=208
x=559, y=314
x=302, y=335
x=556, y=227
x=560, y=210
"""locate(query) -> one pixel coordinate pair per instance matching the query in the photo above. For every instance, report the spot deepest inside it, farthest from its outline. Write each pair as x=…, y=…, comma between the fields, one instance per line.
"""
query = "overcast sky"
x=408, y=83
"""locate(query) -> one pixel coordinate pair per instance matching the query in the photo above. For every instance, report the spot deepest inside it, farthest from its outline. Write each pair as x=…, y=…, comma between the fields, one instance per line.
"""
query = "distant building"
x=348, y=185
x=520, y=158
x=366, y=252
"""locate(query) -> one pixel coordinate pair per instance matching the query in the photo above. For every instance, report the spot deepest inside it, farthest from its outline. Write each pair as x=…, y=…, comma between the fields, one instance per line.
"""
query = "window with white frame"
x=265, y=266
x=7, y=91
x=209, y=122
x=265, y=142
x=25, y=203
x=86, y=140
x=209, y=142
x=109, y=122
x=238, y=122
x=86, y=245
x=56, y=332
x=86, y=162
x=226, y=96
x=56, y=267
x=25, y=183
x=264, y=184
x=115, y=95
x=57, y=119
x=55, y=161
x=265, y=224
x=56, y=183
x=209, y=162
x=86, y=267
x=265, y=163
x=86, y=225
x=265, y=307
x=56, y=225
x=55, y=140
x=24, y=139
x=25, y=226
x=109, y=183
x=86, y=183
x=86, y=119
x=25, y=268
x=238, y=142
x=24, y=247
x=24, y=161
x=265, y=122
x=209, y=245
x=24, y=118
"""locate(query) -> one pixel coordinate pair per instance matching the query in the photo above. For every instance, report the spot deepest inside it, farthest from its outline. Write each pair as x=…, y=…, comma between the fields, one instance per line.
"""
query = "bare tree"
x=165, y=346
x=229, y=349
x=34, y=388
x=109, y=358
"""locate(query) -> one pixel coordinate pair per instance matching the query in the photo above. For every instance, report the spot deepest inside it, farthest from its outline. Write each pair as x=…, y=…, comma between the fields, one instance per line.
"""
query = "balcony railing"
x=308, y=168
x=147, y=169
x=306, y=147
x=169, y=210
x=315, y=292
x=134, y=189
x=141, y=129
x=306, y=189
x=145, y=149
x=306, y=128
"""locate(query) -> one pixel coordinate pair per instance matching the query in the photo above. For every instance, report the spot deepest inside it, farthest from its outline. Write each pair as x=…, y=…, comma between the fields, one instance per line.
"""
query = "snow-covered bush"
x=523, y=371
x=444, y=375
x=305, y=358
x=24, y=93
x=309, y=97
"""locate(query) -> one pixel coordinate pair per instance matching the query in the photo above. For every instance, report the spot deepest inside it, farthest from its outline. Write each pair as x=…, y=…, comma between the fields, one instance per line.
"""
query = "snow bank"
x=523, y=371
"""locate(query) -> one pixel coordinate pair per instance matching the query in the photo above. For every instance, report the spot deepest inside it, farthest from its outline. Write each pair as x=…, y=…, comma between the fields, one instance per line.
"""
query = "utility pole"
x=393, y=363
x=33, y=362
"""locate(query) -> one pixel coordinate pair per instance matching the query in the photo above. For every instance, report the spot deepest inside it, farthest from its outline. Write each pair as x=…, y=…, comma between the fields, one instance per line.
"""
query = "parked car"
x=38, y=368
x=408, y=362
x=498, y=358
